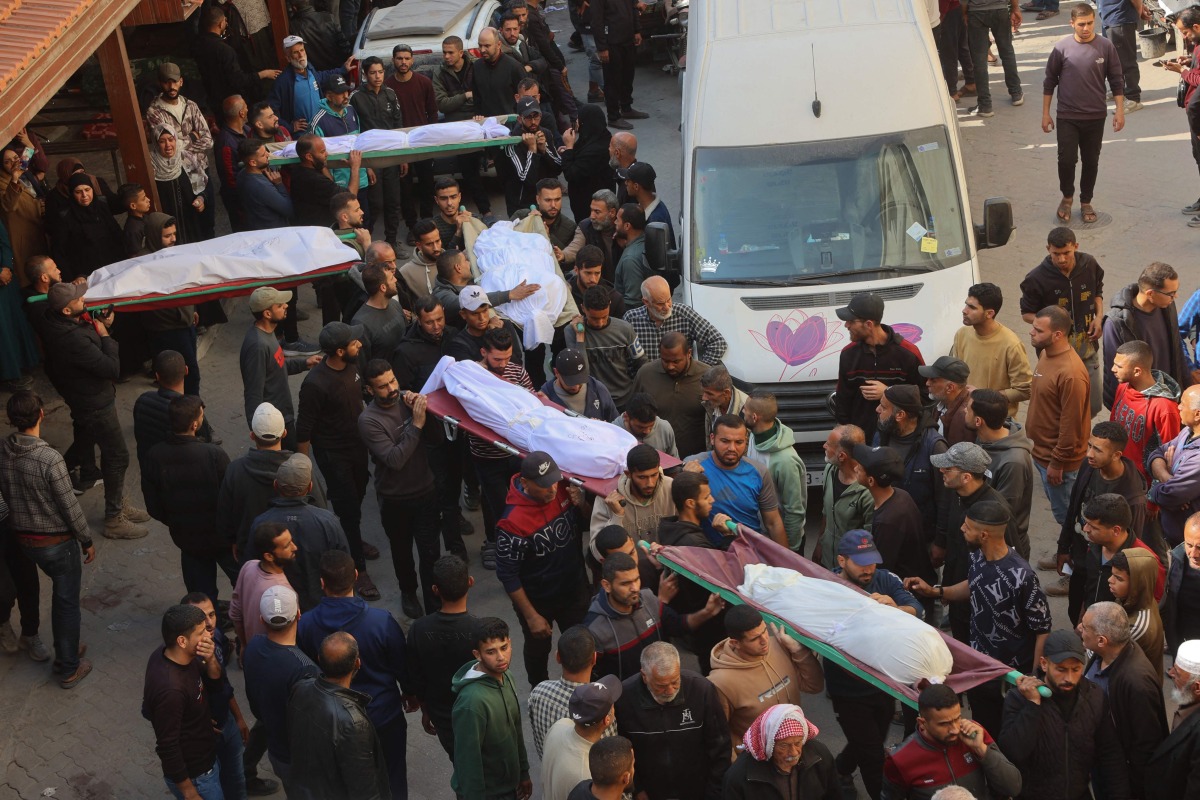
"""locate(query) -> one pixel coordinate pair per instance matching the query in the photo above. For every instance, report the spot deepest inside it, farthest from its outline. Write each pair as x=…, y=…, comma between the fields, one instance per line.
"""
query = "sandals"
x=1087, y=213
x=1064, y=211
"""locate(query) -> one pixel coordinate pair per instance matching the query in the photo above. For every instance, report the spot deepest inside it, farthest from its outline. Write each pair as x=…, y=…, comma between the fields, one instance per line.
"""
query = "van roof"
x=735, y=18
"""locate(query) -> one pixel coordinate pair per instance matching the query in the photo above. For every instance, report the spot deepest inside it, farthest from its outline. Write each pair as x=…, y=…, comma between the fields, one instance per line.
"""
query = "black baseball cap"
x=571, y=367
x=879, y=461
x=539, y=468
x=1063, y=644
x=642, y=174
x=527, y=107
x=862, y=306
x=336, y=84
x=948, y=367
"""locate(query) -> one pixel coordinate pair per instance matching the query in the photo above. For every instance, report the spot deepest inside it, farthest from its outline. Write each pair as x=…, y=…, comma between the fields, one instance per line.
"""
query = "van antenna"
x=816, y=103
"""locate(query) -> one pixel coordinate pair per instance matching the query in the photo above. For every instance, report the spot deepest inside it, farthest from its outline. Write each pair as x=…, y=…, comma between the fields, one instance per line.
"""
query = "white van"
x=821, y=159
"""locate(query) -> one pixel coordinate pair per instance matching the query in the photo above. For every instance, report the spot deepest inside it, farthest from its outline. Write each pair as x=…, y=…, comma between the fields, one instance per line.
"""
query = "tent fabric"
x=578, y=445
x=506, y=257
x=725, y=571
x=233, y=264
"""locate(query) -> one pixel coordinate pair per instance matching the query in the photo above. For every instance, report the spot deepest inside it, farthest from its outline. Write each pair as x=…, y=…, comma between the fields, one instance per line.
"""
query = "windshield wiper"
x=824, y=277
x=742, y=282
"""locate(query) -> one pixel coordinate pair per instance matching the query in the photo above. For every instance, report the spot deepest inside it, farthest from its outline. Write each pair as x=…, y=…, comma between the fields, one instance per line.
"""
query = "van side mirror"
x=662, y=261
x=997, y=224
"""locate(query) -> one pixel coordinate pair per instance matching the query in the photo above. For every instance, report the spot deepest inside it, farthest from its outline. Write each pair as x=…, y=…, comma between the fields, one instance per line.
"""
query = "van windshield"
x=835, y=211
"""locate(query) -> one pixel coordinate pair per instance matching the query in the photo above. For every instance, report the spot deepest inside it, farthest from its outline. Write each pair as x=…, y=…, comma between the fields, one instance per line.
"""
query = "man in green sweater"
x=772, y=444
x=489, y=748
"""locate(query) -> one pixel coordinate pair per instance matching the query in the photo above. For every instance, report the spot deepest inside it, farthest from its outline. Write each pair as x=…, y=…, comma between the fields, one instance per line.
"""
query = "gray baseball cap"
x=967, y=456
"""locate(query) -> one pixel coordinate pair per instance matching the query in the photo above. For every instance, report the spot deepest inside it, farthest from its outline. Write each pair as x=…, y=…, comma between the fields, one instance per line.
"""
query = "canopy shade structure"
x=228, y=266
x=723, y=571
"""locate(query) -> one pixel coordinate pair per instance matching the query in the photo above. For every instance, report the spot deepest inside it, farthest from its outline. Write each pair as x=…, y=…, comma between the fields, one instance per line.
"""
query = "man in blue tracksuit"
x=336, y=117
x=296, y=95
x=381, y=647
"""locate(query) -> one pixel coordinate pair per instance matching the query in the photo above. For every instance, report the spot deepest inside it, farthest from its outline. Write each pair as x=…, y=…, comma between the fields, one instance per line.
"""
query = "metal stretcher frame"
x=702, y=566
x=405, y=155
x=446, y=407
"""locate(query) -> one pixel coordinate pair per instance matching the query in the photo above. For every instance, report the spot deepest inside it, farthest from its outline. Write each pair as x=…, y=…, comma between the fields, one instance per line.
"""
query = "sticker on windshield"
x=710, y=265
x=953, y=251
x=925, y=148
x=916, y=231
x=928, y=244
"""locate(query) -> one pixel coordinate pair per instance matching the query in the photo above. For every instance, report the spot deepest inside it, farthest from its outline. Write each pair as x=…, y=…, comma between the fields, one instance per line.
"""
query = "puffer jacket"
x=1171, y=610
x=1122, y=325
x=417, y=354
x=1056, y=754
x=80, y=363
x=450, y=88
x=336, y=753
x=181, y=481
x=621, y=638
x=1176, y=496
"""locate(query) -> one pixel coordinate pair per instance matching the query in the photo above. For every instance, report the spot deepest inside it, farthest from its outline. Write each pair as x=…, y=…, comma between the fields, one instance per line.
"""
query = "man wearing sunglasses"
x=1146, y=311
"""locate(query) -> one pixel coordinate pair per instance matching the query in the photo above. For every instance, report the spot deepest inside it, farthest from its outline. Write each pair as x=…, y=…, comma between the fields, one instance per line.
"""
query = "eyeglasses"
x=1166, y=294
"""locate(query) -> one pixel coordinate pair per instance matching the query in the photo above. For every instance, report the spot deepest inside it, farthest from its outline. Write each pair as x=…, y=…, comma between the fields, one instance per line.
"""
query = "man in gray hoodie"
x=773, y=445
x=986, y=412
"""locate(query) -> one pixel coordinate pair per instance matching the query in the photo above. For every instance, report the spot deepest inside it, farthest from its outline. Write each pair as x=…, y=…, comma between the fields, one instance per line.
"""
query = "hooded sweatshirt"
x=748, y=688
x=1012, y=472
x=621, y=638
x=248, y=488
x=776, y=450
x=381, y=646
x=489, y=748
x=1150, y=417
x=537, y=545
x=641, y=517
x=163, y=319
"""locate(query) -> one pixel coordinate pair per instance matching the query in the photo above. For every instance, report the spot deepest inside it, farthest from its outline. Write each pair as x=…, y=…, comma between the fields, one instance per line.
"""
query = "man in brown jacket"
x=1059, y=415
x=753, y=673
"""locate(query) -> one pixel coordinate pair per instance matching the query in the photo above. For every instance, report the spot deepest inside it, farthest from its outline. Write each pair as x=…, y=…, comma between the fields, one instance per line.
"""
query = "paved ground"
x=93, y=743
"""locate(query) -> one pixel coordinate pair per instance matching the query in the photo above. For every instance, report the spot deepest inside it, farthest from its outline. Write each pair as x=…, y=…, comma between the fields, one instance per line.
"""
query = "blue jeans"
x=207, y=785
x=1059, y=496
x=229, y=759
x=63, y=564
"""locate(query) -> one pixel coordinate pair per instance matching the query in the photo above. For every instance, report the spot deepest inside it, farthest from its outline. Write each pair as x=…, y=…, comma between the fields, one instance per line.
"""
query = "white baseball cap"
x=268, y=424
x=473, y=298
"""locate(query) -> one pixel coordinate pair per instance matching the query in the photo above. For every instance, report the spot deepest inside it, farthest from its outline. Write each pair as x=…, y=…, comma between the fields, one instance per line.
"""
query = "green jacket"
x=489, y=749
x=777, y=449
x=854, y=509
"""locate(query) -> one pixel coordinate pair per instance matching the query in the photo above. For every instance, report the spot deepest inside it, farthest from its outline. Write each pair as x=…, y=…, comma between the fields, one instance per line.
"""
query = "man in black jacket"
x=1059, y=742
x=1133, y=686
x=82, y=361
x=674, y=719
x=538, y=33
x=494, y=76
x=1173, y=771
x=326, y=45
x=181, y=481
x=220, y=70
x=336, y=753
x=151, y=423
x=618, y=34
x=525, y=166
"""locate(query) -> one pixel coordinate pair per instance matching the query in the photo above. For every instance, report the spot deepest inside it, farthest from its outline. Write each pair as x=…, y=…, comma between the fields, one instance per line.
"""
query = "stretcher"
x=454, y=417
x=404, y=155
x=722, y=572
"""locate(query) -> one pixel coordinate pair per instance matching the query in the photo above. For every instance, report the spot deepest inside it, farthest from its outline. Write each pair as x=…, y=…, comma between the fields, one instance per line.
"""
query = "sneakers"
x=1058, y=588
x=80, y=484
x=300, y=348
x=620, y=124
x=17, y=384
x=8, y=638
x=72, y=680
x=465, y=528
x=1194, y=222
x=365, y=588
x=980, y=111
x=487, y=555
x=471, y=498
x=1194, y=208
x=261, y=787
x=34, y=647
x=410, y=604
x=1018, y=99
x=133, y=513
x=1132, y=106
x=633, y=113
x=370, y=551
x=121, y=527
x=1048, y=563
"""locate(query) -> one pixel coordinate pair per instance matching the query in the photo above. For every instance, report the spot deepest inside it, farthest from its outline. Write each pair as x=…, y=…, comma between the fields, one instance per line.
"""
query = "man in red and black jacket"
x=947, y=750
x=539, y=557
x=234, y=113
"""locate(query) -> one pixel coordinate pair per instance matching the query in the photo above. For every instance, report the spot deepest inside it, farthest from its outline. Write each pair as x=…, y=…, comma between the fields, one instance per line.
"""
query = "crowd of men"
x=925, y=496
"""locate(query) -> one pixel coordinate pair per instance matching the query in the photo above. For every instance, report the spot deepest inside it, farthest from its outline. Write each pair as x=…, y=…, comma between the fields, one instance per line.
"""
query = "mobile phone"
x=104, y=311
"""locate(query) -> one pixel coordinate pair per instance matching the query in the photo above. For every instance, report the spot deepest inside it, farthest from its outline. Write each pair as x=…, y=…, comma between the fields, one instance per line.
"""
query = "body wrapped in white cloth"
x=581, y=446
x=506, y=257
x=896, y=644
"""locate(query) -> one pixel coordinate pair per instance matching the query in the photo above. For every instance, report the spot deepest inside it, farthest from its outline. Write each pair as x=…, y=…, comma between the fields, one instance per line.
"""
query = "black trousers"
x=563, y=611
x=987, y=705
x=101, y=429
x=469, y=165
x=618, y=78
x=1079, y=139
x=865, y=722
x=494, y=476
x=18, y=584
x=1192, y=110
x=407, y=522
x=182, y=341
x=346, y=479
x=953, y=50
x=199, y=568
x=446, y=464
x=1124, y=39
x=416, y=193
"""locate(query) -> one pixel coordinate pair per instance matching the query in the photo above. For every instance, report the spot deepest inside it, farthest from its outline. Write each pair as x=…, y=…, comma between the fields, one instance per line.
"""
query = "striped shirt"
x=710, y=344
x=515, y=374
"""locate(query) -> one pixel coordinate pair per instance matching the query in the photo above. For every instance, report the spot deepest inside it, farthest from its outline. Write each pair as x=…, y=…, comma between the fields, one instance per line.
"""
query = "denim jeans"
x=63, y=564
x=495, y=474
x=595, y=68
x=999, y=24
x=1059, y=496
x=393, y=737
x=229, y=758
x=406, y=522
x=208, y=785
x=101, y=429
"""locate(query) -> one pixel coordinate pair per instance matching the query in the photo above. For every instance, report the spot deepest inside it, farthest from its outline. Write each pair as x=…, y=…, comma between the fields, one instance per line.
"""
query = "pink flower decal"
x=909, y=331
x=795, y=347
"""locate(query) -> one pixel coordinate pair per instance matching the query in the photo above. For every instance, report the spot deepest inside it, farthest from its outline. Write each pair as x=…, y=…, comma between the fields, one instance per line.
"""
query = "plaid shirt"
x=710, y=344
x=548, y=703
x=37, y=487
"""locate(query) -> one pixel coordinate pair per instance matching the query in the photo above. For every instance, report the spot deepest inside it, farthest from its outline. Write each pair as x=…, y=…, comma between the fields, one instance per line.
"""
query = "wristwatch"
x=941, y=591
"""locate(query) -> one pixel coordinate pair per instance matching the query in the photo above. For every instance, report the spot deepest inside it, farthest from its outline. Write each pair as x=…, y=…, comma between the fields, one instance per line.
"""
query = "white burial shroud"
x=581, y=446
x=895, y=643
x=505, y=258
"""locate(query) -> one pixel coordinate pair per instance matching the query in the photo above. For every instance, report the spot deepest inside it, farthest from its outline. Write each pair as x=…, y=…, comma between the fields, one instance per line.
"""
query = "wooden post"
x=279, y=26
x=127, y=116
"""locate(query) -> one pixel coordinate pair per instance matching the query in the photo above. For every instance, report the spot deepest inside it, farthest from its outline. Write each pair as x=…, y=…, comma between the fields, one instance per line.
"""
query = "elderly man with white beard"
x=660, y=315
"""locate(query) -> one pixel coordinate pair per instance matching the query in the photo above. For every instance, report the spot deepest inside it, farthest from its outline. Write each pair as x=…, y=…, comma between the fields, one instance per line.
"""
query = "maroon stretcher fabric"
x=443, y=404
x=726, y=569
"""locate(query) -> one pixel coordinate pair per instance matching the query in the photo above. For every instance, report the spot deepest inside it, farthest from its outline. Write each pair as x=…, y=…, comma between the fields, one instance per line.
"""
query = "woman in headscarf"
x=18, y=348
x=781, y=760
x=585, y=160
x=181, y=183
x=1134, y=573
x=58, y=201
x=87, y=237
x=22, y=212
